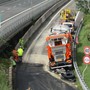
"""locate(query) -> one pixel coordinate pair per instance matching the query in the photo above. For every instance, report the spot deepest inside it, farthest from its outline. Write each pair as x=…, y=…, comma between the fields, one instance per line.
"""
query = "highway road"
x=33, y=74
x=14, y=7
x=34, y=77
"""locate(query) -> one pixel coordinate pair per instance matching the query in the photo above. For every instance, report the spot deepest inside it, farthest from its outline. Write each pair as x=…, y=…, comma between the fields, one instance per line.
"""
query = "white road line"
x=19, y=4
x=24, y=57
x=14, y=6
x=8, y=8
x=2, y=11
x=61, y=10
x=77, y=16
x=23, y=12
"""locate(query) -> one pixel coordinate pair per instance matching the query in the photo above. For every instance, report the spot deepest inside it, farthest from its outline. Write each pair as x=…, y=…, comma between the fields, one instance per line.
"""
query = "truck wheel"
x=69, y=76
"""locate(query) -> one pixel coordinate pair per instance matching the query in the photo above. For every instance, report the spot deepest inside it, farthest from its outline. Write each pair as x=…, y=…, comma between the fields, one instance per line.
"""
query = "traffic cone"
x=77, y=42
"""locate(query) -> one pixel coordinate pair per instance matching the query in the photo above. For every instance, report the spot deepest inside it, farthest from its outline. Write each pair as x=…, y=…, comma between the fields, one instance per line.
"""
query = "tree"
x=83, y=5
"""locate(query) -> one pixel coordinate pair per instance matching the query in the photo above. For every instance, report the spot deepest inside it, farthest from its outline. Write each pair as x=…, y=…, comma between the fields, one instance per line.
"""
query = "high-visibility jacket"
x=13, y=62
x=20, y=51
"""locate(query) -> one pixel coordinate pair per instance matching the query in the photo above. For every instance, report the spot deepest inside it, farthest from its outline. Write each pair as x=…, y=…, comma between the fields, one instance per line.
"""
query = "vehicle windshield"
x=58, y=41
x=69, y=25
x=60, y=31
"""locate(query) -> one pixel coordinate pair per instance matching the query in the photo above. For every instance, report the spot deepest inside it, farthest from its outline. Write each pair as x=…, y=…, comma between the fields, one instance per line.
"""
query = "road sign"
x=86, y=59
x=87, y=50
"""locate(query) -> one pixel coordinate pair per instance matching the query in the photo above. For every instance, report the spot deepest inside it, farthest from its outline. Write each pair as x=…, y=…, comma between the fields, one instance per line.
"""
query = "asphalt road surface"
x=14, y=7
x=33, y=73
x=34, y=77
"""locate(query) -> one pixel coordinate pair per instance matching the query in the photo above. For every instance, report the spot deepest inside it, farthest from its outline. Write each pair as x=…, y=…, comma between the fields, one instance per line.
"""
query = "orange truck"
x=59, y=49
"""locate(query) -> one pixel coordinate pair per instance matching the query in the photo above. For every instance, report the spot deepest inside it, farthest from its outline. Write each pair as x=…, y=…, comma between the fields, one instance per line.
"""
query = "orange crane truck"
x=59, y=48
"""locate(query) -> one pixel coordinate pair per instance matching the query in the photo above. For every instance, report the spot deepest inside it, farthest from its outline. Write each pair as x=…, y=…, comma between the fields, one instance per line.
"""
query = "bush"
x=4, y=81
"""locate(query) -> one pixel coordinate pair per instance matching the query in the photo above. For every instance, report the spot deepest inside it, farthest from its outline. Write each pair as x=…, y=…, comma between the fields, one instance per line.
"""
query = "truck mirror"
x=73, y=37
x=51, y=29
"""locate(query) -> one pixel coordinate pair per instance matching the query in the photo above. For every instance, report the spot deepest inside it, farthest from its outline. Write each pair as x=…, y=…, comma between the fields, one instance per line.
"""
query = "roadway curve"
x=14, y=7
x=33, y=73
x=34, y=77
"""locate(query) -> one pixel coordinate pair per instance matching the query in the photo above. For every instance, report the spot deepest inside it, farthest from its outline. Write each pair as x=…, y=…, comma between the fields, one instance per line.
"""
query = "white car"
x=57, y=29
x=70, y=25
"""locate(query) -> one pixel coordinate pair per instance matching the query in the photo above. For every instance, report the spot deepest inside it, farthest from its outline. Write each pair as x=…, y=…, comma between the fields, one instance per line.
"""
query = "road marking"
x=53, y=18
x=23, y=12
x=19, y=4
x=8, y=8
x=77, y=15
x=2, y=11
x=14, y=6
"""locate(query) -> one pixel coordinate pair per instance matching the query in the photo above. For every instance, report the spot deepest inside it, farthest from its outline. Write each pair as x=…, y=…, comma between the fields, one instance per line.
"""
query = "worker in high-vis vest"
x=21, y=43
x=20, y=53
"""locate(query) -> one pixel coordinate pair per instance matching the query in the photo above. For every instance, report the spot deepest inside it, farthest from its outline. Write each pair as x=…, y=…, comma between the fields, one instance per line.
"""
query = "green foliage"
x=83, y=41
x=83, y=5
x=3, y=80
x=5, y=62
x=4, y=65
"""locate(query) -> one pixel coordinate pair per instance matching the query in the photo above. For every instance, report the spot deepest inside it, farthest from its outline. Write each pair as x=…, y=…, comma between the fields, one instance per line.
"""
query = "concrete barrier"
x=10, y=77
x=14, y=24
x=39, y=22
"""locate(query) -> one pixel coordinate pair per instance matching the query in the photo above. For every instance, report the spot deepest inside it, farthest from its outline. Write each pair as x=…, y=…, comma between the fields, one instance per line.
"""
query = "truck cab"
x=59, y=49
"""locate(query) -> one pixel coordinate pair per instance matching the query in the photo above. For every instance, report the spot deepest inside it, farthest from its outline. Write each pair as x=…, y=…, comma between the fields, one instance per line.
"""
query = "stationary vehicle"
x=59, y=48
x=67, y=15
x=58, y=28
x=71, y=25
x=59, y=45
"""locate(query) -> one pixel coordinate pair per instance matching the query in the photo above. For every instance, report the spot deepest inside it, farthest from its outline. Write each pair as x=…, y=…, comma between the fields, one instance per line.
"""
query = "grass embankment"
x=4, y=81
x=83, y=41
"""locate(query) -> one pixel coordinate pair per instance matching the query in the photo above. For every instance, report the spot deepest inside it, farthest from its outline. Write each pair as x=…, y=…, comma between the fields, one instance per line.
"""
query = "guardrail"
x=81, y=80
x=12, y=26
